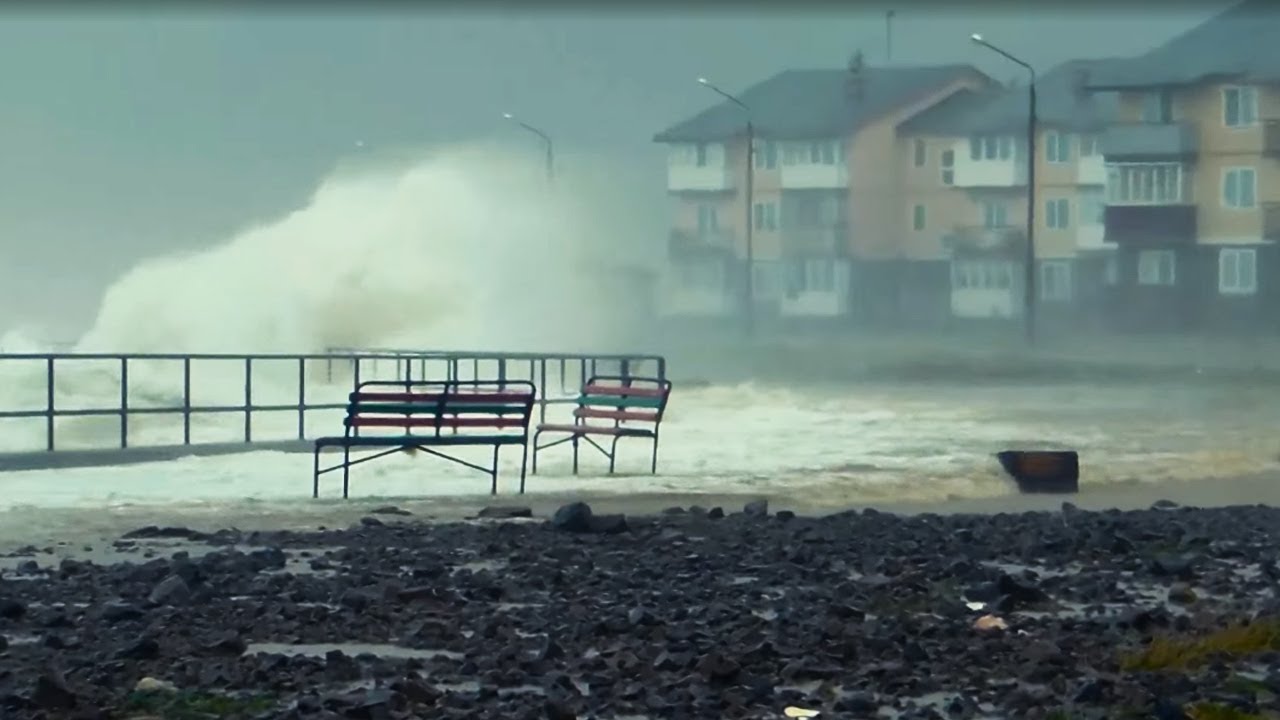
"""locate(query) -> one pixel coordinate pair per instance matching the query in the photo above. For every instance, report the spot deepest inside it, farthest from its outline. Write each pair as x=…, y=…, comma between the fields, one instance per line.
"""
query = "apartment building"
x=1193, y=177
x=964, y=169
x=825, y=203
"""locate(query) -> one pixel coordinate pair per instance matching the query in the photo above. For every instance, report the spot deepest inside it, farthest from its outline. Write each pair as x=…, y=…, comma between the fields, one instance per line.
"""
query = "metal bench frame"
x=447, y=401
x=619, y=388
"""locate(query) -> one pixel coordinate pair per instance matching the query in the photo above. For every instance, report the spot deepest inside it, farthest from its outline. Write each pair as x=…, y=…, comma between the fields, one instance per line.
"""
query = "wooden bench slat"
x=433, y=409
x=443, y=422
x=435, y=398
x=620, y=401
x=623, y=390
x=596, y=430
x=424, y=440
x=621, y=415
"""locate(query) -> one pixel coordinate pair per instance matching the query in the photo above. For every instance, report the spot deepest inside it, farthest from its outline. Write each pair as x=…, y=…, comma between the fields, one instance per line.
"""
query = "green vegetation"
x=195, y=706
x=1215, y=711
x=1182, y=653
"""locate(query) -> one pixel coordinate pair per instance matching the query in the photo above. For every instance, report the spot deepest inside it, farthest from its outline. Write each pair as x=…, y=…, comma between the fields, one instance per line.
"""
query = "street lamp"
x=1029, y=298
x=546, y=140
x=749, y=308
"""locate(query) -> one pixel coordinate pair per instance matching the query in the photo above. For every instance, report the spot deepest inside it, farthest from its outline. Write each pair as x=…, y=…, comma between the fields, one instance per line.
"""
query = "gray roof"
x=809, y=104
x=1238, y=44
x=1060, y=102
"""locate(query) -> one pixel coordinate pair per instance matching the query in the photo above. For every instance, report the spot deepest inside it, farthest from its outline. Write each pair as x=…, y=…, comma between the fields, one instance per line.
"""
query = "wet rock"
x=608, y=524
x=369, y=521
x=173, y=590
x=389, y=510
x=152, y=532
x=416, y=692
x=226, y=643
x=51, y=692
x=756, y=508
x=12, y=609
x=715, y=513
x=505, y=512
x=573, y=518
x=1181, y=593
x=1172, y=566
x=716, y=667
x=141, y=649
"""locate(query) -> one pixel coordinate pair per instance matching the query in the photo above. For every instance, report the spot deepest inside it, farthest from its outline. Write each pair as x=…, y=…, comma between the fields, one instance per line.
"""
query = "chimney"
x=855, y=83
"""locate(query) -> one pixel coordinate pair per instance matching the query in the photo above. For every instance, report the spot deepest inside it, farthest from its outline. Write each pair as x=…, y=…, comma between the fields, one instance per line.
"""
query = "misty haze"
x=910, y=361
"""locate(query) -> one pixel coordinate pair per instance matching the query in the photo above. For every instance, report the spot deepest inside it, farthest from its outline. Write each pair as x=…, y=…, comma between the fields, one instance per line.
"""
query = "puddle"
x=351, y=650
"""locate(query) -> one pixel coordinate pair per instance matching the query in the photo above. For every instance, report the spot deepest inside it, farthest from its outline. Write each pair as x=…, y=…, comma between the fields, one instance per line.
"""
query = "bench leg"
x=346, y=470
x=613, y=453
x=315, y=479
x=493, y=485
x=536, y=435
x=575, y=454
x=653, y=465
x=524, y=461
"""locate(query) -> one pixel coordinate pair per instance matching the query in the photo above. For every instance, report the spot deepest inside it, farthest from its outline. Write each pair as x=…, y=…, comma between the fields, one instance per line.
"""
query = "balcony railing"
x=684, y=243
x=1271, y=221
x=1149, y=140
x=823, y=241
x=980, y=240
x=1150, y=224
x=1271, y=138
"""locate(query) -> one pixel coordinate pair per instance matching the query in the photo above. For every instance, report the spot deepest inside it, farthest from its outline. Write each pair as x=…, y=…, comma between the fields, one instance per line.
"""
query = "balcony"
x=815, y=176
x=695, y=243
x=1091, y=170
x=823, y=242
x=1154, y=225
x=699, y=178
x=1008, y=172
x=1271, y=221
x=1149, y=141
x=982, y=241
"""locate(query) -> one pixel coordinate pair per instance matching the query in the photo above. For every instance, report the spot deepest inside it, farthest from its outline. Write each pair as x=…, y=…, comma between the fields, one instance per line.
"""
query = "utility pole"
x=546, y=141
x=749, y=300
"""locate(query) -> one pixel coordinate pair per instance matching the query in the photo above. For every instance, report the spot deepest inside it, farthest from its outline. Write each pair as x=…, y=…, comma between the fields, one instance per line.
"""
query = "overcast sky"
x=124, y=134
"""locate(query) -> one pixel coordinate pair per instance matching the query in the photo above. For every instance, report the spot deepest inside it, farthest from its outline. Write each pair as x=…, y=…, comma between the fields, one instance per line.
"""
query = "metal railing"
x=556, y=375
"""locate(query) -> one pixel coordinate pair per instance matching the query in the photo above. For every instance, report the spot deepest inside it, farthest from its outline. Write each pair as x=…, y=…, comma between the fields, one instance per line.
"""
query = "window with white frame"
x=947, y=161
x=1237, y=271
x=1092, y=207
x=1239, y=106
x=981, y=275
x=1111, y=270
x=1057, y=214
x=1146, y=184
x=766, y=154
x=812, y=275
x=1088, y=145
x=995, y=214
x=991, y=147
x=1239, y=188
x=766, y=216
x=1157, y=107
x=917, y=218
x=1055, y=280
x=817, y=152
x=708, y=219
x=919, y=152
x=1157, y=267
x=1057, y=147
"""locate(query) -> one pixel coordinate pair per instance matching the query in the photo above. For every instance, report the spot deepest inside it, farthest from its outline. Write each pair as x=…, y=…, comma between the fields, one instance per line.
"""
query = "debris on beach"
x=988, y=623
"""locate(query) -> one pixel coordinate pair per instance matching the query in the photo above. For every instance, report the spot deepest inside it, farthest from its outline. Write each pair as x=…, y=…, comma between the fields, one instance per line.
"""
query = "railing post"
x=49, y=395
x=124, y=402
x=355, y=371
x=186, y=400
x=502, y=372
x=302, y=398
x=328, y=369
x=542, y=389
x=248, y=399
x=625, y=367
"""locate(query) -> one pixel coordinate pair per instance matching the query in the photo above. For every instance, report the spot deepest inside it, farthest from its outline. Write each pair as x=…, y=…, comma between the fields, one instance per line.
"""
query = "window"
x=1237, y=271
x=920, y=153
x=1057, y=147
x=995, y=215
x=1088, y=145
x=1239, y=106
x=948, y=162
x=766, y=154
x=990, y=148
x=917, y=218
x=1111, y=270
x=811, y=275
x=1092, y=208
x=766, y=216
x=981, y=275
x=701, y=151
x=1156, y=267
x=1157, y=107
x=1057, y=214
x=708, y=220
x=1055, y=280
x=1239, y=188
x=1146, y=184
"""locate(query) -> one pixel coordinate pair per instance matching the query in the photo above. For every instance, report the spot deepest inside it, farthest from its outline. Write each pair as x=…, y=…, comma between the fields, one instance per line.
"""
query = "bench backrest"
x=454, y=405
x=623, y=399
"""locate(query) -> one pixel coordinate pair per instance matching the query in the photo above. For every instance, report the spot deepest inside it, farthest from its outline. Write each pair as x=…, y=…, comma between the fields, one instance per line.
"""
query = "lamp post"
x=749, y=307
x=1029, y=285
x=546, y=140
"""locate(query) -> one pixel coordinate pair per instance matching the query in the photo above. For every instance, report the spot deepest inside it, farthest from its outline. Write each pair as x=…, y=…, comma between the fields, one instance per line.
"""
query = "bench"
x=632, y=407
x=420, y=415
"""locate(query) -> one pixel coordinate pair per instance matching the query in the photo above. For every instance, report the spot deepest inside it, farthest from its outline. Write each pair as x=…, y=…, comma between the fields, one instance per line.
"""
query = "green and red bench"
x=612, y=407
x=395, y=416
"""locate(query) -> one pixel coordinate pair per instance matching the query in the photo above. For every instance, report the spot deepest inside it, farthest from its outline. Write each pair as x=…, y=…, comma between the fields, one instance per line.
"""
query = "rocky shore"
x=695, y=613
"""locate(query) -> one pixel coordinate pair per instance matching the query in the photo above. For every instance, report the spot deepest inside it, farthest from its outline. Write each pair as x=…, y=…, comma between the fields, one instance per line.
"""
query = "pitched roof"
x=1238, y=43
x=1060, y=102
x=807, y=104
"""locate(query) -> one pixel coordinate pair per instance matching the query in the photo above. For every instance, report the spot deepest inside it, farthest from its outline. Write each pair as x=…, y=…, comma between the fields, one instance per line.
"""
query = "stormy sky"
x=128, y=132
